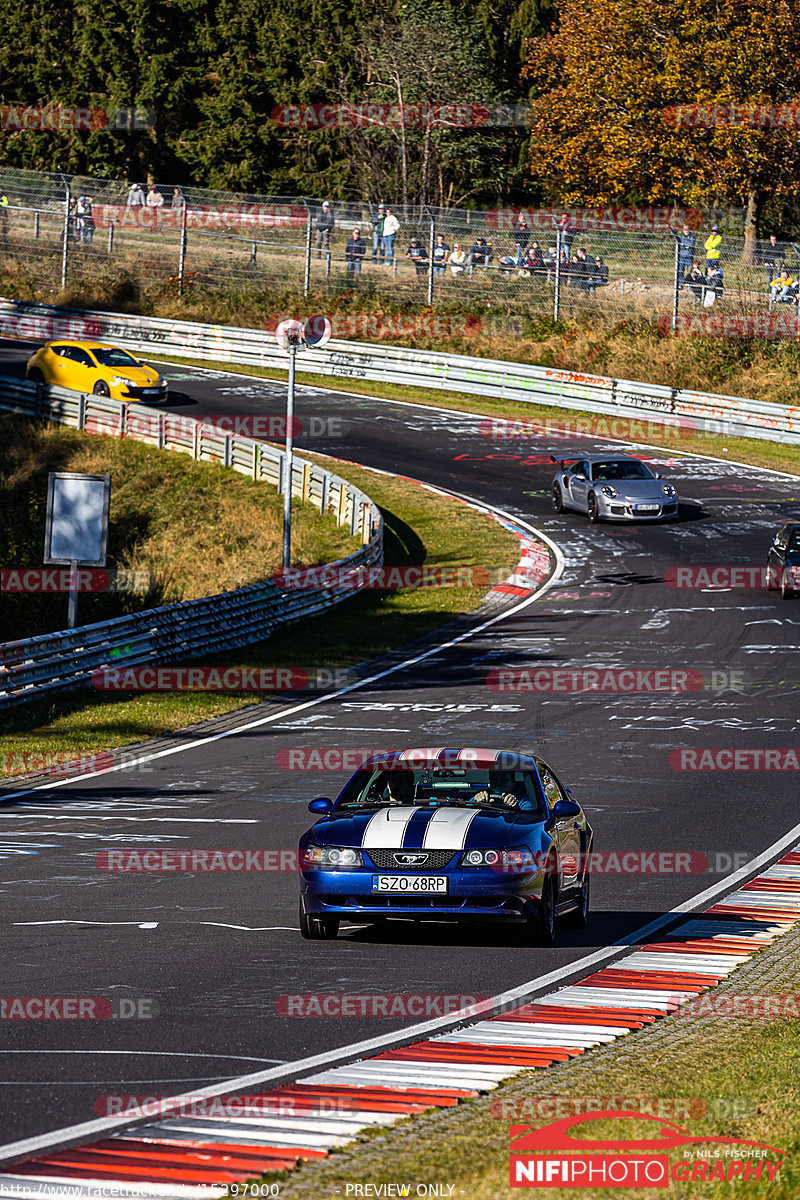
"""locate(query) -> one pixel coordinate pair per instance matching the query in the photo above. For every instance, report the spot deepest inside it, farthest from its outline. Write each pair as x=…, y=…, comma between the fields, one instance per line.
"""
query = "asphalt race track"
x=215, y=952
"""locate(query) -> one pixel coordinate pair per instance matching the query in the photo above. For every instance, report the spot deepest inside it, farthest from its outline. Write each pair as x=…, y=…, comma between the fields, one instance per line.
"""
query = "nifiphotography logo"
x=550, y=1157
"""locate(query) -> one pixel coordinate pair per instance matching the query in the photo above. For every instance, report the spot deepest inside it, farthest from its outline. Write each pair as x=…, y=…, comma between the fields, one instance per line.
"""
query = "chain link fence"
x=154, y=242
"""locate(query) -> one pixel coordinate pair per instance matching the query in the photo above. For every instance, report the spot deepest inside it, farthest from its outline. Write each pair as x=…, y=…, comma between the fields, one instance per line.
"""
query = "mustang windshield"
x=498, y=789
x=621, y=469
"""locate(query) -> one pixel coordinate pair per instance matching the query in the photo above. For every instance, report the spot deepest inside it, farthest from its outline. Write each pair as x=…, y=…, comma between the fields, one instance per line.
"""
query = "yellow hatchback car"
x=96, y=367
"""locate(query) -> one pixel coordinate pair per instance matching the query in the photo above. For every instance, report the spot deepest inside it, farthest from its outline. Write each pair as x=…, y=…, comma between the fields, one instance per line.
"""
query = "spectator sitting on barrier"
x=773, y=258
x=457, y=259
x=587, y=271
x=354, y=252
x=480, y=255
x=135, y=196
x=694, y=281
x=417, y=254
x=783, y=287
x=440, y=253
x=549, y=259
x=532, y=262
x=573, y=273
x=602, y=273
x=714, y=279
x=154, y=198
x=506, y=264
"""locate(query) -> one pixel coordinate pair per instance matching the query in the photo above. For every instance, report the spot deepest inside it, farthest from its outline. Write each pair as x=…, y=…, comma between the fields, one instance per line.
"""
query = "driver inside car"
x=512, y=790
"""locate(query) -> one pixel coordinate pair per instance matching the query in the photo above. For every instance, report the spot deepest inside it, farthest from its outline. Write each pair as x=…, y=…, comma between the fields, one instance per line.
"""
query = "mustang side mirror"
x=321, y=805
x=562, y=810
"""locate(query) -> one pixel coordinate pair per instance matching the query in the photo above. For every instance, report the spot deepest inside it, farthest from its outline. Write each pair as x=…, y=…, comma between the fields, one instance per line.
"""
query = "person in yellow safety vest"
x=3, y=216
x=712, y=247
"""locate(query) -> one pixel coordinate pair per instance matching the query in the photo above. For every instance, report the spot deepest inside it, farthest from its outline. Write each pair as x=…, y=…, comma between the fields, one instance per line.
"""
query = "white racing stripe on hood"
x=448, y=828
x=387, y=828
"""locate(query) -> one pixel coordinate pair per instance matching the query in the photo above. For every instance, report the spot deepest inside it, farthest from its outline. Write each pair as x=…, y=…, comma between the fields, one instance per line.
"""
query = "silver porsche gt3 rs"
x=613, y=488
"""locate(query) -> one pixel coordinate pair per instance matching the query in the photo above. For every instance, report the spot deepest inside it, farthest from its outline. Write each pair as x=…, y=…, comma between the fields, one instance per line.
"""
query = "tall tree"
x=610, y=80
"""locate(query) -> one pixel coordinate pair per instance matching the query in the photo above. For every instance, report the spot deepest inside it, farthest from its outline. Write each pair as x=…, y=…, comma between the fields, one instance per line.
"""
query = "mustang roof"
x=464, y=758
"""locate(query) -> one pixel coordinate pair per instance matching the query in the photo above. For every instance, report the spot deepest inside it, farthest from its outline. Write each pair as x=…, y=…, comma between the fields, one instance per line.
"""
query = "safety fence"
x=497, y=380
x=193, y=241
x=52, y=662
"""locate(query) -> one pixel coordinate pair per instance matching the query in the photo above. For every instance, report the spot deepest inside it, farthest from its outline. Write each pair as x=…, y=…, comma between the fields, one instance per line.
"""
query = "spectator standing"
x=773, y=258
x=325, y=224
x=457, y=258
x=354, y=252
x=154, y=201
x=685, y=244
x=377, y=232
x=522, y=235
x=440, y=253
x=178, y=198
x=694, y=281
x=391, y=228
x=84, y=219
x=4, y=218
x=712, y=246
x=135, y=196
x=565, y=232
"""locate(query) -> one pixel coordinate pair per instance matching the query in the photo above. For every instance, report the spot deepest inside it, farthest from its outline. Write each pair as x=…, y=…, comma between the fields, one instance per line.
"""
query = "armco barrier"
x=707, y=412
x=39, y=665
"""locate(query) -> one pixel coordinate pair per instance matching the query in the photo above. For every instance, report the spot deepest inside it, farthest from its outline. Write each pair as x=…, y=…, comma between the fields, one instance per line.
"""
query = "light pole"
x=292, y=336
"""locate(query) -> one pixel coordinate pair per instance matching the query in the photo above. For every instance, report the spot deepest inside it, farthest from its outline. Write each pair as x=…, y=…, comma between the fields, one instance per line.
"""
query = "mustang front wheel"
x=315, y=928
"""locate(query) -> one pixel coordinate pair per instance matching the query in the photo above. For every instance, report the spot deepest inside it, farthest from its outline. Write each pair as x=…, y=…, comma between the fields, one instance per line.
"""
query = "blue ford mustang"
x=464, y=835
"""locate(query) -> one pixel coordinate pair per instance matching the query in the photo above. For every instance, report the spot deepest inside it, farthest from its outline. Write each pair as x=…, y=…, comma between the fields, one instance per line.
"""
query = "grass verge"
x=188, y=529
x=420, y=527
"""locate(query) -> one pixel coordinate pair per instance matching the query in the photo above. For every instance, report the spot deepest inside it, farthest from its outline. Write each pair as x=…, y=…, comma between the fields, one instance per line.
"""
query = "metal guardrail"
x=705, y=412
x=35, y=666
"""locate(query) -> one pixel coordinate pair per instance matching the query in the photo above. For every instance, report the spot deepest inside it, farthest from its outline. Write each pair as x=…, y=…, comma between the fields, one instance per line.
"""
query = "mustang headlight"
x=669, y=490
x=116, y=380
x=331, y=856
x=610, y=492
x=510, y=862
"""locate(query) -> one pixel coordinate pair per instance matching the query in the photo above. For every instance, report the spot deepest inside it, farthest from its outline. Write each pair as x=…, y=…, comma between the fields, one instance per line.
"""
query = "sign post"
x=293, y=336
x=76, y=532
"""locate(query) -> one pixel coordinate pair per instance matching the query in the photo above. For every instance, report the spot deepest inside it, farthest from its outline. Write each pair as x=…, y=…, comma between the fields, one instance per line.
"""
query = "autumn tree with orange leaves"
x=609, y=81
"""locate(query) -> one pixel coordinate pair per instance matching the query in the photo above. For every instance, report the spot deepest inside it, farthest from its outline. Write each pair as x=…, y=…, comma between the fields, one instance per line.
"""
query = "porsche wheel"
x=558, y=499
x=314, y=928
x=101, y=389
x=594, y=512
